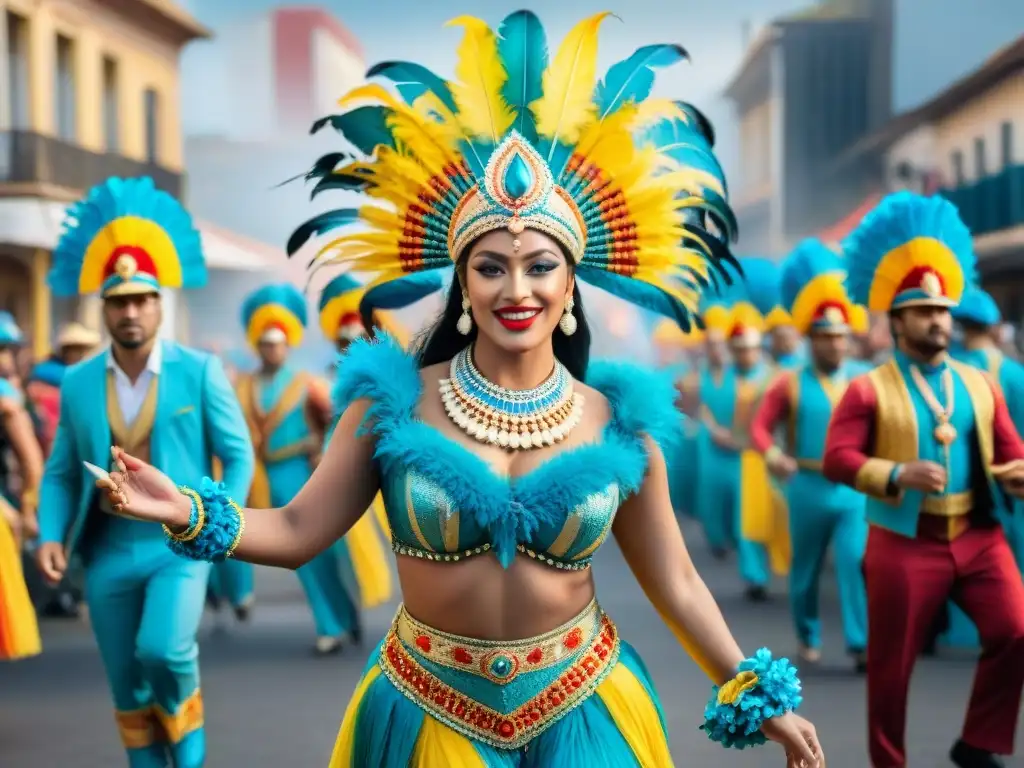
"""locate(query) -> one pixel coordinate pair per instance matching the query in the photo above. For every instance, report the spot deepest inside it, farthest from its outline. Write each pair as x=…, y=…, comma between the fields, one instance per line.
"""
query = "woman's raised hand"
x=140, y=491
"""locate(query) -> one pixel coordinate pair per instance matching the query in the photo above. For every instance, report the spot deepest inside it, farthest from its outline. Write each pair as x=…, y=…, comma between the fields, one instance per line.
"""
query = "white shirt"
x=131, y=396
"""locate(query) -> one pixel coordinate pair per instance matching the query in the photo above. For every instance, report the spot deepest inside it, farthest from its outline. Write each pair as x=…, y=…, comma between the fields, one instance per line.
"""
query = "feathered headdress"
x=10, y=333
x=813, y=291
x=127, y=237
x=977, y=307
x=910, y=250
x=728, y=312
x=622, y=182
x=345, y=308
x=668, y=334
x=762, y=278
x=275, y=312
x=860, y=319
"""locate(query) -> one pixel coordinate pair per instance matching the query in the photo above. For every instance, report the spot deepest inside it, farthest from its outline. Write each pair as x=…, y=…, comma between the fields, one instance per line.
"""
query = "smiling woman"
x=505, y=459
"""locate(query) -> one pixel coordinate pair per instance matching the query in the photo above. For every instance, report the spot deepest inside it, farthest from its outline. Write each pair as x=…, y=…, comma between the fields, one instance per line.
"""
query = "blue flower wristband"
x=763, y=688
x=215, y=525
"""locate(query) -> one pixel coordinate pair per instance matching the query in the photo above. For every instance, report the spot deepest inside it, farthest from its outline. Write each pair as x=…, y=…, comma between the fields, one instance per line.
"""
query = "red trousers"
x=908, y=583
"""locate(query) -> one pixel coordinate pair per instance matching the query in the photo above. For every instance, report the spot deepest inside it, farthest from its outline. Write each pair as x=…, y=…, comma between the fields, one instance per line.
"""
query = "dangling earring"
x=465, y=324
x=568, y=322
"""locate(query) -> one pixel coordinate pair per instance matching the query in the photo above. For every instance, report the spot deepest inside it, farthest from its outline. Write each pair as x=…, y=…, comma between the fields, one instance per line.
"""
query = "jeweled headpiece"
x=812, y=289
x=624, y=183
x=127, y=237
x=910, y=250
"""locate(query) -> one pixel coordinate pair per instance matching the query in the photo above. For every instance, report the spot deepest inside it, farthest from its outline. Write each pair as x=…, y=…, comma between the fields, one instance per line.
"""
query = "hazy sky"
x=936, y=41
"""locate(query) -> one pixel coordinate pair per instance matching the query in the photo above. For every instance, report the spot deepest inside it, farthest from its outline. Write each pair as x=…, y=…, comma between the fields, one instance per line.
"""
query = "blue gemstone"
x=518, y=178
x=501, y=666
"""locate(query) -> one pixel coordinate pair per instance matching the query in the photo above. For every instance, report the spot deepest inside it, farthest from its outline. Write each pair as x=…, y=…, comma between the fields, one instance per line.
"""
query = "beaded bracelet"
x=763, y=688
x=215, y=526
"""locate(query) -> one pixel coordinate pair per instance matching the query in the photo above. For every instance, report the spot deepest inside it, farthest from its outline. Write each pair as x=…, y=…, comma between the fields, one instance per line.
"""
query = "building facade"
x=88, y=90
x=810, y=85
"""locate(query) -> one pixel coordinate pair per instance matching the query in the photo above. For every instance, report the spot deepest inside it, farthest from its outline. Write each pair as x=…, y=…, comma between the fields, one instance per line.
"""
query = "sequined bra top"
x=445, y=503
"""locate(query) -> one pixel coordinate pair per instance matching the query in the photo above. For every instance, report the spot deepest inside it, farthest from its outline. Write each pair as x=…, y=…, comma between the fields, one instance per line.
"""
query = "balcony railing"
x=27, y=157
x=993, y=203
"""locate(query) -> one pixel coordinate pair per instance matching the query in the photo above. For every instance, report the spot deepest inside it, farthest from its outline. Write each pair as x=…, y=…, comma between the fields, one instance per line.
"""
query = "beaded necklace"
x=516, y=419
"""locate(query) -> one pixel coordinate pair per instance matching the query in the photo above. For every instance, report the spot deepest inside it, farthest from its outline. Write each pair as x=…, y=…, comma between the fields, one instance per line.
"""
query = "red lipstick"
x=517, y=319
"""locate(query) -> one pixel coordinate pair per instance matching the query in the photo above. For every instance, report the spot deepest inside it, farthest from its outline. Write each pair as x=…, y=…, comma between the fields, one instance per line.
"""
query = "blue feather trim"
x=810, y=259
x=379, y=370
x=762, y=279
x=738, y=725
x=221, y=525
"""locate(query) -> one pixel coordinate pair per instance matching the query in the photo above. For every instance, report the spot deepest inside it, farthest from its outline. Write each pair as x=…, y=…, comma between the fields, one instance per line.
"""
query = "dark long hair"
x=443, y=341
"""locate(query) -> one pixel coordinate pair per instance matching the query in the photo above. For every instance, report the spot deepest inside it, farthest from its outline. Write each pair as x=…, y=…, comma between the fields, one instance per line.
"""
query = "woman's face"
x=517, y=296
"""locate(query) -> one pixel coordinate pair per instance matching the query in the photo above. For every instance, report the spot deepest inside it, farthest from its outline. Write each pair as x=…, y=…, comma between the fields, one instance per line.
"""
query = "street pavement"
x=271, y=703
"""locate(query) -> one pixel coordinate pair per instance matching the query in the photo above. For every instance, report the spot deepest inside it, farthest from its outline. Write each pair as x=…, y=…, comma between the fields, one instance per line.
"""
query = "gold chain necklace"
x=944, y=432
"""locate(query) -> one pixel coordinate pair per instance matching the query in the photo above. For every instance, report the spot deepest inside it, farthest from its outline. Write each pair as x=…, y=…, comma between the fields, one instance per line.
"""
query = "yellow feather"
x=656, y=110
x=368, y=91
x=567, y=105
x=480, y=75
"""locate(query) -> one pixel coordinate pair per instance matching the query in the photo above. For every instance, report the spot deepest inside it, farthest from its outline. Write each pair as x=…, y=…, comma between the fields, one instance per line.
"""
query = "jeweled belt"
x=502, y=693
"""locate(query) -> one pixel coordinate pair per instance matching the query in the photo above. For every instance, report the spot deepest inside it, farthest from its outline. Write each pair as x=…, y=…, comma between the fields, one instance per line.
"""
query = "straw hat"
x=77, y=335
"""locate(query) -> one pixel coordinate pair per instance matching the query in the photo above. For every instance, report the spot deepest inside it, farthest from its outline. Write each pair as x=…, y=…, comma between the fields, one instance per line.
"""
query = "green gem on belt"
x=501, y=666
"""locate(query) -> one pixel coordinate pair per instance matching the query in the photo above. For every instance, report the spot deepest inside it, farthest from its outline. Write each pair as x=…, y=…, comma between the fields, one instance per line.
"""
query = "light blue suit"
x=334, y=611
x=145, y=602
x=822, y=513
x=719, y=481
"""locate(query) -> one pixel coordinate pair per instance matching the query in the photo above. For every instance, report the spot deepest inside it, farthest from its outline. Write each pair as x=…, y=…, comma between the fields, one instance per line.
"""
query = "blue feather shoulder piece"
x=642, y=400
x=381, y=371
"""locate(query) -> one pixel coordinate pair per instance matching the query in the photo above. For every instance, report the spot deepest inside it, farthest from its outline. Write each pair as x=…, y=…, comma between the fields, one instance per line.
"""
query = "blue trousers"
x=333, y=607
x=145, y=605
x=751, y=556
x=718, y=494
x=232, y=580
x=814, y=524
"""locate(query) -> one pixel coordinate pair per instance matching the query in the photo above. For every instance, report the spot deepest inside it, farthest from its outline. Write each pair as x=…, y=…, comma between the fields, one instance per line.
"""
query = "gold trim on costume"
x=138, y=728
x=873, y=479
x=513, y=729
x=953, y=505
x=188, y=718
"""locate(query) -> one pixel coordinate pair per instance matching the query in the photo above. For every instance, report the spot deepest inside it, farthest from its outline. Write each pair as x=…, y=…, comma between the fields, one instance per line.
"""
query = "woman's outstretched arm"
x=333, y=499
x=649, y=536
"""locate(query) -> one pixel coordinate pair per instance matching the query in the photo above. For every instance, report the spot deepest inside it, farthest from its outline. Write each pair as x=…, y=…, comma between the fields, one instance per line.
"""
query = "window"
x=111, y=111
x=17, y=71
x=64, y=90
x=152, y=107
x=1007, y=143
x=980, y=171
x=958, y=167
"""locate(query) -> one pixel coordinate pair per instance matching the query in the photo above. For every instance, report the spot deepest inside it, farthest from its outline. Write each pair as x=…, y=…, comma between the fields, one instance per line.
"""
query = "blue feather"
x=413, y=80
x=113, y=199
x=762, y=280
x=895, y=221
x=977, y=306
x=639, y=293
x=365, y=128
x=685, y=143
x=318, y=225
x=632, y=78
x=284, y=294
x=523, y=50
x=400, y=293
x=338, y=286
x=808, y=260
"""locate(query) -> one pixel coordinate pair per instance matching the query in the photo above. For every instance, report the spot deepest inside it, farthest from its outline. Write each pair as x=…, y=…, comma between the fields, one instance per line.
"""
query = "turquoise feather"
x=899, y=218
x=810, y=259
x=977, y=306
x=338, y=286
x=285, y=294
x=523, y=50
x=365, y=128
x=631, y=80
x=413, y=80
x=762, y=279
x=403, y=291
x=639, y=293
x=318, y=225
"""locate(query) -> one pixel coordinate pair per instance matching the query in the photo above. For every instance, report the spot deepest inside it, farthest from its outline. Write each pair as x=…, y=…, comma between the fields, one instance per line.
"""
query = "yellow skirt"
x=369, y=559
x=574, y=696
x=19, y=631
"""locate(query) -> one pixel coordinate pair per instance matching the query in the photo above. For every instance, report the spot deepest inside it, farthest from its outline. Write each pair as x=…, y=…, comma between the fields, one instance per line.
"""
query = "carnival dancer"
x=800, y=403
x=360, y=550
x=499, y=491
x=709, y=395
x=784, y=340
x=931, y=443
x=19, y=632
x=127, y=240
x=676, y=355
x=289, y=412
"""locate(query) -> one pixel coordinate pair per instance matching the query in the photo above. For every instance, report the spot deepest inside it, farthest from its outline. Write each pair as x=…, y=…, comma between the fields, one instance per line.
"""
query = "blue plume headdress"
x=127, y=237
x=812, y=288
x=909, y=250
x=515, y=142
x=978, y=307
x=275, y=312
